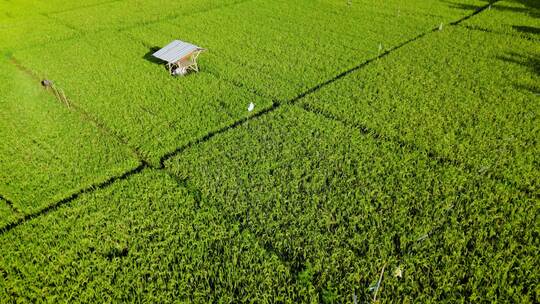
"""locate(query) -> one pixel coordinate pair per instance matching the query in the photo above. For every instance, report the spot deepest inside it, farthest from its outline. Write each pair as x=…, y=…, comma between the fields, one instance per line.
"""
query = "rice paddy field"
x=328, y=151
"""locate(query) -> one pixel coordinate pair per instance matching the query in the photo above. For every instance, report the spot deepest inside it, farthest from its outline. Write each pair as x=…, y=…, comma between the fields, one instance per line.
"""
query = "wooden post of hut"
x=180, y=57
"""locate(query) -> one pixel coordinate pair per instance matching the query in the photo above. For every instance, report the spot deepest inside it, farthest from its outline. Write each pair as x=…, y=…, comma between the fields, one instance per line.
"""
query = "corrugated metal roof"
x=175, y=50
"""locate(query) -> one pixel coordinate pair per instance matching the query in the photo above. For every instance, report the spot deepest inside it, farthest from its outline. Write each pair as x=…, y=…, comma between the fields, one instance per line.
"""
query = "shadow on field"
x=526, y=29
x=463, y=6
x=531, y=62
x=534, y=4
x=531, y=8
x=148, y=56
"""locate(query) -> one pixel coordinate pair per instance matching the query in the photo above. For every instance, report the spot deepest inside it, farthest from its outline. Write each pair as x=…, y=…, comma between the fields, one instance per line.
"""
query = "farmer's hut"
x=180, y=57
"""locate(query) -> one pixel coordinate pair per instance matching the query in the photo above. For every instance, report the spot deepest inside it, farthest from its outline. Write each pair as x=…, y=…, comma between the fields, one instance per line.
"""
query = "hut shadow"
x=148, y=56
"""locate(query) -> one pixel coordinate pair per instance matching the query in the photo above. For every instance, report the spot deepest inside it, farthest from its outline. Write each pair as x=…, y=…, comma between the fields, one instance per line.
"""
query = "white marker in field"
x=440, y=27
x=251, y=106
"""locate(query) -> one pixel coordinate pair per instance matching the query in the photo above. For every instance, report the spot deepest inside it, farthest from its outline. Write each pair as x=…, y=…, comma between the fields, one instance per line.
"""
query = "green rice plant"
x=21, y=32
x=257, y=44
x=467, y=96
x=48, y=152
x=443, y=10
x=337, y=205
x=7, y=214
x=136, y=98
x=143, y=239
x=25, y=8
x=128, y=13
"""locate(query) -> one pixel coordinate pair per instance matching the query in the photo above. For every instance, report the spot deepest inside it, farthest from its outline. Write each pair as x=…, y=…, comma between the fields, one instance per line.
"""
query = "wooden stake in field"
x=58, y=93
x=378, y=284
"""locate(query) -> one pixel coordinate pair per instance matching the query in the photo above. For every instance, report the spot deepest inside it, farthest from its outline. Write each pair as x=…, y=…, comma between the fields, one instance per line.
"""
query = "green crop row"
x=26, y=8
x=48, y=152
x=266, y=59
x=20, y=32
x=7, y=214
x=337, y=206
x=135, y=96
x=468, y=96
x=445, y=11
x=313, y=218
x=144, y=239
x=235, y=67
x=520, y=18
x=256, y=43
x=128, y=13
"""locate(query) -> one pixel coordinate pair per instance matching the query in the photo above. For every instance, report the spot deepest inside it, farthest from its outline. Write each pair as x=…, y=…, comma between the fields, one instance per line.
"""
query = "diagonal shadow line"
x=295, y=265
x=100, y=185
x=439, y=159
x=10, y=204
x=143, y=164
x=476, y=12
x=104, y=184
x=86, y=116
x=496, y=32
x=310, y=91
x=364, y=129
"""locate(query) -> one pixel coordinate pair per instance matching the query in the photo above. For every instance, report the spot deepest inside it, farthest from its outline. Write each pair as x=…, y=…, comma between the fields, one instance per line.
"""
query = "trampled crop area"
x=327, y=151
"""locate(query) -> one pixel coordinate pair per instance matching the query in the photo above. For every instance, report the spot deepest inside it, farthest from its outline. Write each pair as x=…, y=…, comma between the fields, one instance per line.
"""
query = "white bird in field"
x=251, y=106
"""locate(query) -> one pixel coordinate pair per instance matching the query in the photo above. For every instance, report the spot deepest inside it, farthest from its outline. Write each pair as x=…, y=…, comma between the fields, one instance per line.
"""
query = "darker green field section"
x=513, y=17
x=467, y=96
x=144, y=239
x=338, y=205
x=47, y=151
x=7, y=214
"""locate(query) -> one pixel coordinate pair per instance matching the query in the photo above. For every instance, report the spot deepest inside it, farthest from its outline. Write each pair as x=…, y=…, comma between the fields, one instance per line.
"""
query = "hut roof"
x=176, y=50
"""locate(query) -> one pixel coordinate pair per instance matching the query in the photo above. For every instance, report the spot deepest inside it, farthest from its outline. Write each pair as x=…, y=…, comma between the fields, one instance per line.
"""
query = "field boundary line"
x=84, y=115
x=439, y=159
x=310, y=91
x=10, y=204
x=294, y=265
x=488, y=31
x=78, y=193
x=105, y=182
x=476, y=12
x=144, y=165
